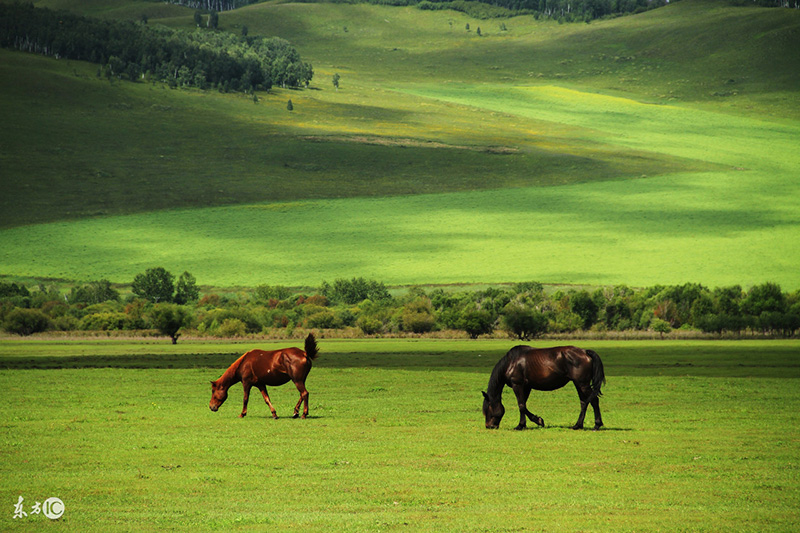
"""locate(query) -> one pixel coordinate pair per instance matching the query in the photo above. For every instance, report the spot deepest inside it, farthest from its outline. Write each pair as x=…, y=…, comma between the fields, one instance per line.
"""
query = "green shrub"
x=103, y=322
x=322, y=320
x=26, y=322
x=231, y=327
x=523, y=322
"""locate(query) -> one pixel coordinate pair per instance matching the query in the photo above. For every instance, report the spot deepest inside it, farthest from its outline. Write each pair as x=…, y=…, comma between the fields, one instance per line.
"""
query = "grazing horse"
x=524, y=368
x=258, y=368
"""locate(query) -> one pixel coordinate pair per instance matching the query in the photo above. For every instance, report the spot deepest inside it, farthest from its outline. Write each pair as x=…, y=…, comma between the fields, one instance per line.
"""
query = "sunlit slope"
x=721, y=227
x=80, y=146
x=642, y=150
x=690, y=51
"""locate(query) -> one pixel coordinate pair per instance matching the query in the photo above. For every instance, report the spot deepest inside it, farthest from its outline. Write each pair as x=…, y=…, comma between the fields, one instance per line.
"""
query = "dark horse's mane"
x=497, y=379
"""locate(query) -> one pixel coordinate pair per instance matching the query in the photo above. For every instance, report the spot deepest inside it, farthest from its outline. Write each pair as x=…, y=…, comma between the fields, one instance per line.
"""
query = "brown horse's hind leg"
x=303, y=399
x=263, y=390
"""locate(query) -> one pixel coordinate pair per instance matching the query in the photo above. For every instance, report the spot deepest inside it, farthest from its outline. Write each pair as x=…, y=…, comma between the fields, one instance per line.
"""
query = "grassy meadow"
x=575, y=153
x=698, y=437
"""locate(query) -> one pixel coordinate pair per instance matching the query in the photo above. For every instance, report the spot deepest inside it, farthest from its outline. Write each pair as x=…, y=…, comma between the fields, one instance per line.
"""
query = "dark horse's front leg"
x=522, y=393
x=587, y=396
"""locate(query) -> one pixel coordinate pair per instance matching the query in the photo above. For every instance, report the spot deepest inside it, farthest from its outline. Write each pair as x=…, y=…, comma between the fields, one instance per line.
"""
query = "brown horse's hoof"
x=296, y=416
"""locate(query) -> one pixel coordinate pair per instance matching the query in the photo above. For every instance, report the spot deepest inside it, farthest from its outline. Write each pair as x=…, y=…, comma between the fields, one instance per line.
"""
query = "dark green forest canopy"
x=202, y=59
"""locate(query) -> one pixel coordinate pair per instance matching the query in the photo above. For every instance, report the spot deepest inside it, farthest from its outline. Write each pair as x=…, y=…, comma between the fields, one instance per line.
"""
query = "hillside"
x=536, y=126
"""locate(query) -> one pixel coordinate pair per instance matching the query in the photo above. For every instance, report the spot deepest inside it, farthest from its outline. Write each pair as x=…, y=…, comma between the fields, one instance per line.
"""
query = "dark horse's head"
x=493, y=410
x=218, y=395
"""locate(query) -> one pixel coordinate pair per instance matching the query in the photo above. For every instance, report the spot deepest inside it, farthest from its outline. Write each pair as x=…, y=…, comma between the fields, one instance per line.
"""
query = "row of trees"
x=566, y=10
x=203, y=59
x=161, y=302
x=213, y=5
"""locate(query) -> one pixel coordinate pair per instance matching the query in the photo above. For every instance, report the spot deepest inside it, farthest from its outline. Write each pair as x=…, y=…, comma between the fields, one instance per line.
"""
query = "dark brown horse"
x=258, y=368
x=524, y=368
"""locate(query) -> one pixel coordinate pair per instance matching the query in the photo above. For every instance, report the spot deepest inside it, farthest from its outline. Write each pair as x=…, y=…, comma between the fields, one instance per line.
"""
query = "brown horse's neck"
x=232, y=375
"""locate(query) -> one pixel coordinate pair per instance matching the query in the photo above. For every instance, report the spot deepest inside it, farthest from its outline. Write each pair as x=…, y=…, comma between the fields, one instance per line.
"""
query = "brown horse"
x=524, y=368
x=258, y=368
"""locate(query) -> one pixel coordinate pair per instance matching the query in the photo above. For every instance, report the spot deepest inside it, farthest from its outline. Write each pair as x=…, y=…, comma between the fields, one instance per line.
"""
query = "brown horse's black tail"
x=598, y=374
x=311, y=346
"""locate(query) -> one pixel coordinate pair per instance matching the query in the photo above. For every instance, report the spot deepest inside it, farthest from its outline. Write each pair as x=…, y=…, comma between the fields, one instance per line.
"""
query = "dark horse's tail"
x=598, y=374
x=311, y=346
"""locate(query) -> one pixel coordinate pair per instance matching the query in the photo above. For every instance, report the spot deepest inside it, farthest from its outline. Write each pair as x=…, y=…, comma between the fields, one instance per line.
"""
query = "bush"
x=231, y=327
x=523, y=322
x=26, y=322
x=322, y=320
x=418, y=316
x=476, y=322
x=103, y=322
x=169, y=319
x=369, y=325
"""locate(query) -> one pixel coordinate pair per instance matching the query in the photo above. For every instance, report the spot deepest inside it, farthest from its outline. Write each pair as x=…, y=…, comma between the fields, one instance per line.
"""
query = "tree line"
x=161, y=302
x=136, y=51
x=213, y=5
x=562, y=10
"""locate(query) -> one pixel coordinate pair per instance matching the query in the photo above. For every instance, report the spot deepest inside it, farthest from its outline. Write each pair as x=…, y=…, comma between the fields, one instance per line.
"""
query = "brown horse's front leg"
x=246, y=397
x=303, y=399
x=263, y=390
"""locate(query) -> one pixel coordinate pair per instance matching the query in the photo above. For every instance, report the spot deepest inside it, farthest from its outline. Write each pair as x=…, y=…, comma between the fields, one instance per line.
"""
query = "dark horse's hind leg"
x=303, y=399
x=587, y=396
x=522, y=393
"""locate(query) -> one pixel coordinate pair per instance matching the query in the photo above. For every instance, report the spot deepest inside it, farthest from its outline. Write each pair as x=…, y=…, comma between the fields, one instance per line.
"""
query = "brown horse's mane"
x=229, y=377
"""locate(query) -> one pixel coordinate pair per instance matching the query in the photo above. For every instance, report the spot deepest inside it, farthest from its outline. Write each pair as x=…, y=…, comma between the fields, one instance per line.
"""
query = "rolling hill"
x=645, y=149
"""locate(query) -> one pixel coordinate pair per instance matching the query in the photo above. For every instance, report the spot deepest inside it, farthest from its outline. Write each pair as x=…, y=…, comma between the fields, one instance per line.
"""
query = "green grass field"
x=699, y=436
x=641, y=150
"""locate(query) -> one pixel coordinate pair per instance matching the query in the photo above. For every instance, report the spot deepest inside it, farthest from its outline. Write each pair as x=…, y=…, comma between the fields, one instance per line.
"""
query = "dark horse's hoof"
x=576, y=426
x=520, y=427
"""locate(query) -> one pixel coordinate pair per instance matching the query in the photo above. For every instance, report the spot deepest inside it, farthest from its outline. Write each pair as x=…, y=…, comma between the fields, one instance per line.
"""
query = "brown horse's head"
x=493, y=410
x=218, y=395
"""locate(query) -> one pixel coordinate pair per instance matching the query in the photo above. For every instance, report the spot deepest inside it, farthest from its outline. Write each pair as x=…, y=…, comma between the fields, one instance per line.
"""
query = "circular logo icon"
x=53, y=508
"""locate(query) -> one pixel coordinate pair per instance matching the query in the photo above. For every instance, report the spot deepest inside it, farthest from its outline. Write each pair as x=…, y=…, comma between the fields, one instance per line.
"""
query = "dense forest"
x=158, y=302
x=135, y=51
